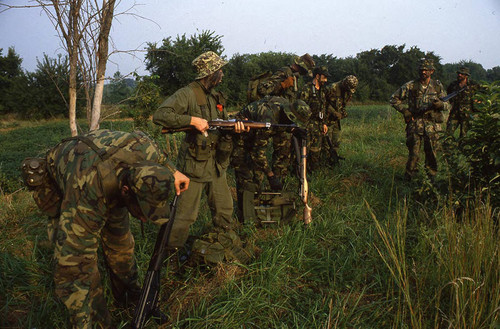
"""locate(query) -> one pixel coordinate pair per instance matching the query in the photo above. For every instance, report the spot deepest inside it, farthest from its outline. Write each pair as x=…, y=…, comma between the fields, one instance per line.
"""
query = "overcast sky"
x=454, y=29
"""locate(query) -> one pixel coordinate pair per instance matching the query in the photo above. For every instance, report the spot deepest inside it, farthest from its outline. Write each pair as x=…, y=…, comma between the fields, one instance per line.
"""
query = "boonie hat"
x=207, y=63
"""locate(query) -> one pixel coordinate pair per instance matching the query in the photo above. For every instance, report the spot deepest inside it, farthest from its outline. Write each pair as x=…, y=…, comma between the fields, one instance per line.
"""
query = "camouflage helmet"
x=207, y=63
x=305, y=63
x=321, y=70
x=463, y=70
x=151, y=184
x=297, y=112
x=351, y=83
x=427, y=64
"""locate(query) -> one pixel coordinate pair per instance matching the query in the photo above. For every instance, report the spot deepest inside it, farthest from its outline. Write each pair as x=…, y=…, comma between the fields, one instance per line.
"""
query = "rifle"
x=229, y=125
x=335, y=156
x=148, y=303
x=446, y=98
x=301, y=152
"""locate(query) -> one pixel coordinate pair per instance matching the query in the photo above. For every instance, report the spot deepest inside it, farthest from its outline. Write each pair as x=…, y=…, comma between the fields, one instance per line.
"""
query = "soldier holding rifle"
x=423, y=116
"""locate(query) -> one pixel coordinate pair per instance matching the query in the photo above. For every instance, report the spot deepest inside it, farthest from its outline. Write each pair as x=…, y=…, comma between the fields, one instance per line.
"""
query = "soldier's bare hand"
x=239, y=127
x=199, y=123
x=325, y=129
x=181, y=182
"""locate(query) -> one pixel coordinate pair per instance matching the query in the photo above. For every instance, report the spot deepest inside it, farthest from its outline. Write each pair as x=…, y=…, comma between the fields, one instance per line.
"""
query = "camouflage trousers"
x=419, y=132
x=314, y=143
x=77, y=278
x=334, y=133
x=458, y=120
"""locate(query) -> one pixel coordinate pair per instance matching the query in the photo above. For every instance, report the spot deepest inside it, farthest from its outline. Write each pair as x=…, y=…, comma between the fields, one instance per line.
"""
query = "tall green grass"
x=379, y=253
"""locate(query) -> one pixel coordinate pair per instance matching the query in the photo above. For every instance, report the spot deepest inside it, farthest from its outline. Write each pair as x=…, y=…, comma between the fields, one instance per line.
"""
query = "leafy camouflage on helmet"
x=427, y=64
x=351, y=83
x=207, y=63
x=463, y=70
x=298, y=112
x=151, y=184
x=306, y=63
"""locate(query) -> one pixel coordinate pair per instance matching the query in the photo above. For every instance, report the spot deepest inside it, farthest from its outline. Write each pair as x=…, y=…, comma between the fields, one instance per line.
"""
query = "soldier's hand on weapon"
x=181, y=182
x=199, y=123
x=287, y=83
x=325, y=129
x=239, y=127
x=407, y=115
x=437, y=104
x=275, y=182
x=300, y=133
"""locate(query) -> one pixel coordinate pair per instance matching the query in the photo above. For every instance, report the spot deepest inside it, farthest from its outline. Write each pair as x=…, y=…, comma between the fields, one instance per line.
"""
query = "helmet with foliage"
x=350, y=82
x=207, y=63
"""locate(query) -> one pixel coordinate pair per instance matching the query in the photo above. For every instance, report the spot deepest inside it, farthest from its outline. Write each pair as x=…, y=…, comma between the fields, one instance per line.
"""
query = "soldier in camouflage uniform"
x=423, y=117
x=205, y=154
x=91, y=183
x=338, y=95
x=283, y=82
x=314, y=94
x=462, y=105
x=249, y=154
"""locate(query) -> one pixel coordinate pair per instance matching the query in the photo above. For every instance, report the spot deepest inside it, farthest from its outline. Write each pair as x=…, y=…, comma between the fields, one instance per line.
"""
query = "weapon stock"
x=148, y=303
x=229, y=125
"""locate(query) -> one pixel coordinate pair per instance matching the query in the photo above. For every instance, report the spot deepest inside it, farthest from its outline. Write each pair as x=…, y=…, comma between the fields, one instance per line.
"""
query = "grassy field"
x=380, y=253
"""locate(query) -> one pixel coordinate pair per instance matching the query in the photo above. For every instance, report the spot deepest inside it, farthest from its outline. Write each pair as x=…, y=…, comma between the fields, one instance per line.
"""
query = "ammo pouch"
x=274, y=207
x=45, y=191
x=199, y=146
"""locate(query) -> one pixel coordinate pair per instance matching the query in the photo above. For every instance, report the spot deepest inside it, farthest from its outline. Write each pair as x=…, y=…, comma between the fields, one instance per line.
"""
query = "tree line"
x=44, y=92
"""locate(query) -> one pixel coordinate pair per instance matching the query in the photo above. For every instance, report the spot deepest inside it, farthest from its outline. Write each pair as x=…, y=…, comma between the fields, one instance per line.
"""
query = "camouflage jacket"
x=337, y=101
x=200, y=157
x=265, y=110
x=419, y=99
x=272, y=85
x=463, y=104
x=316, y=99
x=87, y=178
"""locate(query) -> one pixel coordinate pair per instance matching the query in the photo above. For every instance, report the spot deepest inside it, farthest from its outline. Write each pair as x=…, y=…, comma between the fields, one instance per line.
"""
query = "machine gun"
x=150, y=292
x=422, y=110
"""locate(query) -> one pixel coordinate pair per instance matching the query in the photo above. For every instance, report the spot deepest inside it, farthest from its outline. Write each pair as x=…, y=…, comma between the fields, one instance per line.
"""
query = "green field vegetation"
x=380, y=253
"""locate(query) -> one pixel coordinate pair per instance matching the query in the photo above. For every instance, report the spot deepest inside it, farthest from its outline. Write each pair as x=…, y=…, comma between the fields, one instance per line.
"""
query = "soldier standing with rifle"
x=249, y=154
x=462, y=106
x=314, y=94
x=338, y=94
x=205, y=154
x=423, y=117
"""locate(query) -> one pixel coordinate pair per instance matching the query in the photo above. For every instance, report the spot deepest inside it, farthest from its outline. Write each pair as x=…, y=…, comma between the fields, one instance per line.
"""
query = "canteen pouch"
x=45, y=192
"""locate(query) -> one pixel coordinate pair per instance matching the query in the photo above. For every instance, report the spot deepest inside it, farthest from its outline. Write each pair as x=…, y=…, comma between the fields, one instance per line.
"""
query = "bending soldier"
x=423, y=117
x=249, y=154
x=283, y=82
x=338, y=95
x=88, y=185
x=314, y=94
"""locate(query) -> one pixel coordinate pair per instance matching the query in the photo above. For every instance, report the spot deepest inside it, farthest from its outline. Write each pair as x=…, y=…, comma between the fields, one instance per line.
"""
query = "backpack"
x=253, y=84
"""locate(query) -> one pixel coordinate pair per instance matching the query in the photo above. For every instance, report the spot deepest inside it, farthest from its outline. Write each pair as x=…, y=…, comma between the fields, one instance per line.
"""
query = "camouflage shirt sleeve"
x=272, y=85
x=398, y=99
